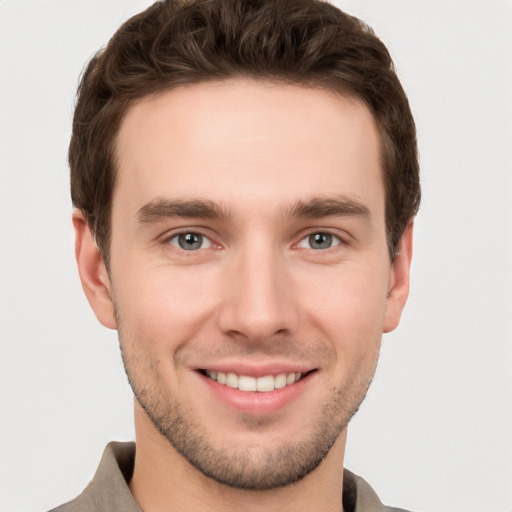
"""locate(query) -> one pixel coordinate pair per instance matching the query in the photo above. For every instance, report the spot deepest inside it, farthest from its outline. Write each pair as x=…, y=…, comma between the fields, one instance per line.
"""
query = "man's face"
x=248, y=248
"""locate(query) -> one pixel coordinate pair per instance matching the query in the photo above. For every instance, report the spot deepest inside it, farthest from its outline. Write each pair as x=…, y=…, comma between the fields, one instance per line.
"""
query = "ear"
x=399, y=281
x=93, y=273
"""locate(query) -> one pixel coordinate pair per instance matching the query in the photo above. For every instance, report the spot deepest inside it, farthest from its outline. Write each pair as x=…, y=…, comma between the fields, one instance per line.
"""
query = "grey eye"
x=190, y=241
x=319, y=241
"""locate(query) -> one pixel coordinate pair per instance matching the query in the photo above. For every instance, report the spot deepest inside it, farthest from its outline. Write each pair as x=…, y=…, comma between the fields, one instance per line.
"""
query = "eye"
x=190, y=241
x=319, y=241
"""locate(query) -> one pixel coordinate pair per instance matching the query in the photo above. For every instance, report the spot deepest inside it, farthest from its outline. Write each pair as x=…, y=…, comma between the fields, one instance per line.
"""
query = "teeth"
x=246, y=383
x=265, y=383
x=261, y=384
x=232, y=380
x=280, y=381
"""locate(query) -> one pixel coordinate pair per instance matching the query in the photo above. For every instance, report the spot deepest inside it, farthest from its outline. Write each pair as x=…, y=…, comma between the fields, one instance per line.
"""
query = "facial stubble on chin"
x=254, y=467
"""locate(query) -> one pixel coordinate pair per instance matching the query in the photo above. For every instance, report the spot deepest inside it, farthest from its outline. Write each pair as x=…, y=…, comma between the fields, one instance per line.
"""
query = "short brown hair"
x=306, y=42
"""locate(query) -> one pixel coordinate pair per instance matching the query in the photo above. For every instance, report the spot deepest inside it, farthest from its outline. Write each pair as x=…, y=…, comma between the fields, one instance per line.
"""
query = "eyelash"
x=332, y=241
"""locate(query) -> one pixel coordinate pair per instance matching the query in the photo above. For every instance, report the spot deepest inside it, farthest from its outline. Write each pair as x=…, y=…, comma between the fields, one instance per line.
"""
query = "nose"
x=258, y=301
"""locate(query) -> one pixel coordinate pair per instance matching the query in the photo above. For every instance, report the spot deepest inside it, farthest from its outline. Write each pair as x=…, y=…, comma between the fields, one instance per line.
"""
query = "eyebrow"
x=160, y=209
x=319, y=207
x=315, y=208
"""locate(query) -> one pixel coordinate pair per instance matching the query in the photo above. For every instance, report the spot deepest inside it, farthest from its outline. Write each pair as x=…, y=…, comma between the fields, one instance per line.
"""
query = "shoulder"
x=359, y=496
x=108, y=490
x=76, y=505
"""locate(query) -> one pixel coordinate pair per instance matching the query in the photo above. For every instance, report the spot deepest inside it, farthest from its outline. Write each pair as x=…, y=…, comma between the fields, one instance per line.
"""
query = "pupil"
x=320, y=241
x=190, y=241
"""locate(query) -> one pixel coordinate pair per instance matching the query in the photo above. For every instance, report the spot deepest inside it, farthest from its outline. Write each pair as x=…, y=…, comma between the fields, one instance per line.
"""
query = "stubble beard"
x=254, y=467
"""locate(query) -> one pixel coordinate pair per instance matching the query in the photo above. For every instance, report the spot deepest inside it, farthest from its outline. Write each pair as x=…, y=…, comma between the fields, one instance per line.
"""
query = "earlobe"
x=399, y=281
x=93, y=273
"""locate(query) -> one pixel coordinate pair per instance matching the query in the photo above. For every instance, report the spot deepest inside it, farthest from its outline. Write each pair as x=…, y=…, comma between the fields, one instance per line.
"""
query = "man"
x=245, y=177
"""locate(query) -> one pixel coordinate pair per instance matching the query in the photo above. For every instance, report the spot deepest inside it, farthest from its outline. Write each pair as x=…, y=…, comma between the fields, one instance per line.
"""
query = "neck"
x=164, y=481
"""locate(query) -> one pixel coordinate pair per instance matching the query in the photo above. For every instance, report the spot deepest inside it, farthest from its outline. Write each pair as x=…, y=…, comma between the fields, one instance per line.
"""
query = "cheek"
x=351, y=286
x=163, y=307
x=348, y=305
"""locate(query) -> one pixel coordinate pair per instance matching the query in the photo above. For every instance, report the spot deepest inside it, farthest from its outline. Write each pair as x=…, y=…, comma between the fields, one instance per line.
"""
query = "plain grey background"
x=435, y=433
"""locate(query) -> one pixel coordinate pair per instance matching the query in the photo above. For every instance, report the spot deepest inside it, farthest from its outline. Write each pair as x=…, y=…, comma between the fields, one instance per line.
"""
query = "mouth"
x=263, y=384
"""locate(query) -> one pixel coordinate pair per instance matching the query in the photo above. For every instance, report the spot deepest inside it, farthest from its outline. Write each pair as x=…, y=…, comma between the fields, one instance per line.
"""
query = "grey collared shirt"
x=109, y=491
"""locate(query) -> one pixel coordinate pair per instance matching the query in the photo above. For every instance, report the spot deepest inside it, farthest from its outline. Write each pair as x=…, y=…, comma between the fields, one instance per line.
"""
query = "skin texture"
x=256, y=169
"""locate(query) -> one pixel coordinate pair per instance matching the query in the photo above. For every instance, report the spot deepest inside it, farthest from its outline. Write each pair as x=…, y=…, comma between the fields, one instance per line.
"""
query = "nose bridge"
x=259, y=304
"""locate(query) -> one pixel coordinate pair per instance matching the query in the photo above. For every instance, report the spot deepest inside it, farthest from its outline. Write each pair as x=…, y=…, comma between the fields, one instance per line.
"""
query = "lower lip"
x=258, y=403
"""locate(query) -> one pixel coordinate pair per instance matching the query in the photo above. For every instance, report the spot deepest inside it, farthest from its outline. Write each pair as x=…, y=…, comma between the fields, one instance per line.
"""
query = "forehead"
x=221, y=140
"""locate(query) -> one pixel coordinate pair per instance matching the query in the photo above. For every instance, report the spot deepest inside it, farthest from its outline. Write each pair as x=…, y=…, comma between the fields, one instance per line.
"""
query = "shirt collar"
x=109, y=488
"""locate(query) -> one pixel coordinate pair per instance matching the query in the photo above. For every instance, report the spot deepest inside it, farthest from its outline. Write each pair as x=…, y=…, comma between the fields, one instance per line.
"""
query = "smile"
x=262, y=384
